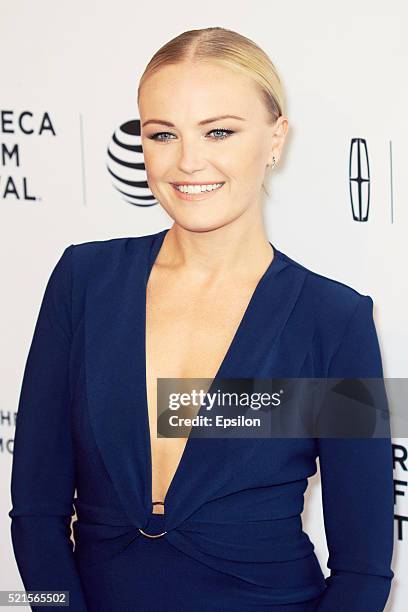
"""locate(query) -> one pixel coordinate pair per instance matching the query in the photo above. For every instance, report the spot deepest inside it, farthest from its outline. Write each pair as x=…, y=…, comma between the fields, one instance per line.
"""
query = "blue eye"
x=228, y=132
x=157, y=134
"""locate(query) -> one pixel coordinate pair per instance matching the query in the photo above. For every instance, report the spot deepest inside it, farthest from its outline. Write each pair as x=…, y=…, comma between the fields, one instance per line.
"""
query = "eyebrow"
x=203, y=122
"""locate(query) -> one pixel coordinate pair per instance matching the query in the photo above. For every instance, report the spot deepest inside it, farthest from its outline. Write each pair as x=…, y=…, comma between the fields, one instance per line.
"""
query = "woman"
x=209, y=297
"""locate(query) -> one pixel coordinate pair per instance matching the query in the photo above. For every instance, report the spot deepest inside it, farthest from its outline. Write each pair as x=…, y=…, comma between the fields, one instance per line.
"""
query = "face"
x=181, y=145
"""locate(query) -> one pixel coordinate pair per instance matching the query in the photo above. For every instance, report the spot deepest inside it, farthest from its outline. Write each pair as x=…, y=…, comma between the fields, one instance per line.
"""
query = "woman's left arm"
x=357, y=488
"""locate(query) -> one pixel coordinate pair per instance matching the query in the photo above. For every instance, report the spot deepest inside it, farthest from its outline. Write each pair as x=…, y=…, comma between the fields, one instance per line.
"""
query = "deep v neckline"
x=156, y=245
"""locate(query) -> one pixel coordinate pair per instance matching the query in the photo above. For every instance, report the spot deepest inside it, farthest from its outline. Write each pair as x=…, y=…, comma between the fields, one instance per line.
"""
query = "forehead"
x=197, y=91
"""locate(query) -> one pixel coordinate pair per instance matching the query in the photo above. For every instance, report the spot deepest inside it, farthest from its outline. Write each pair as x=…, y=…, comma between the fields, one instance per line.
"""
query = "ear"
x=279, y=132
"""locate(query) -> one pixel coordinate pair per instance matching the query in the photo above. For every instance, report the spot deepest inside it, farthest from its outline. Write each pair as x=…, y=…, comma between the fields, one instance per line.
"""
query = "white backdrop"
x=69, y=74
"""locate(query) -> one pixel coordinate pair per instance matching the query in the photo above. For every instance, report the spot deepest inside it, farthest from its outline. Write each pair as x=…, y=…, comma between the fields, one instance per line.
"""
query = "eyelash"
x=154, y=136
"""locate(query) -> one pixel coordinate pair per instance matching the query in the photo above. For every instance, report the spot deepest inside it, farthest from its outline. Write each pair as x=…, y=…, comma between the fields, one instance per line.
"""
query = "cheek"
x=245, y=164
x=154, y=160
x=256, y=156
x=248, y=175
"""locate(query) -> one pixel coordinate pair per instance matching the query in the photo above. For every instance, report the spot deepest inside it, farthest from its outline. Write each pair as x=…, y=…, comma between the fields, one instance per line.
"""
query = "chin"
x=200, y=222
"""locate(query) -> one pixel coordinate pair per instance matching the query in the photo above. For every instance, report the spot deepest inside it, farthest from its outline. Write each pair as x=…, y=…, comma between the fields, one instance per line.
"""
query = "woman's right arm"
x=42, y=481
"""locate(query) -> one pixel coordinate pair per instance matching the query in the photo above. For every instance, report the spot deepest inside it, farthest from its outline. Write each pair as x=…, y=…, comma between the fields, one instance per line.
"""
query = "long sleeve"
x=357, y=488
x=42, y=481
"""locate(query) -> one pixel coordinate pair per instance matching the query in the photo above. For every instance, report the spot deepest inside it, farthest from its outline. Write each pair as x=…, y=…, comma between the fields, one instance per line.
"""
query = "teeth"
x=198, y=188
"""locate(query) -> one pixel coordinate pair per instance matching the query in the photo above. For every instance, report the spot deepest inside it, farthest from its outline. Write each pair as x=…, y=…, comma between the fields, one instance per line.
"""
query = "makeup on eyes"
x=225, y=130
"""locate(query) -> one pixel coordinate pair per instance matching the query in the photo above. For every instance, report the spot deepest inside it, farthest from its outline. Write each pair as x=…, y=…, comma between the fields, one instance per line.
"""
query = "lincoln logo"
x=126, y=165
x=359, y=179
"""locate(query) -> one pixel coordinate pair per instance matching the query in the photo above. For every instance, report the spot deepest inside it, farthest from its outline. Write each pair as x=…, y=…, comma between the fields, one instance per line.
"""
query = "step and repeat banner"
x=72, y=170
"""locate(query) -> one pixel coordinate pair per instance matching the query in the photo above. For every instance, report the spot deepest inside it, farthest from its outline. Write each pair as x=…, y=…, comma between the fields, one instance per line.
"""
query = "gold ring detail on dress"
x=149, y=535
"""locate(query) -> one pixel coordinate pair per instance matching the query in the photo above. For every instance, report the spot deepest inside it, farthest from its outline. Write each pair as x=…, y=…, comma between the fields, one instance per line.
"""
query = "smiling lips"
x=195, y=191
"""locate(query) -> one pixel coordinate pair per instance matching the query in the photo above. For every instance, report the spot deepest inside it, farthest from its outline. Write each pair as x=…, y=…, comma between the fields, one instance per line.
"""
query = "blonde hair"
x=225, y=48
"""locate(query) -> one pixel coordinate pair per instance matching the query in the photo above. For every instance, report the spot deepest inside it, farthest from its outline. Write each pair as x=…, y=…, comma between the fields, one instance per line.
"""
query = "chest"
x=189, y=330
x=188, y=334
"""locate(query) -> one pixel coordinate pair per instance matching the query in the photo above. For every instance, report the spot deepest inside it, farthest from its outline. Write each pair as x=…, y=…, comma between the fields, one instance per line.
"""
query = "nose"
x=191, y=158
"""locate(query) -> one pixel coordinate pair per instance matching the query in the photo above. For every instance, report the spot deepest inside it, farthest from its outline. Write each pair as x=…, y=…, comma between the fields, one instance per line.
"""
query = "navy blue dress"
x=233, y=532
